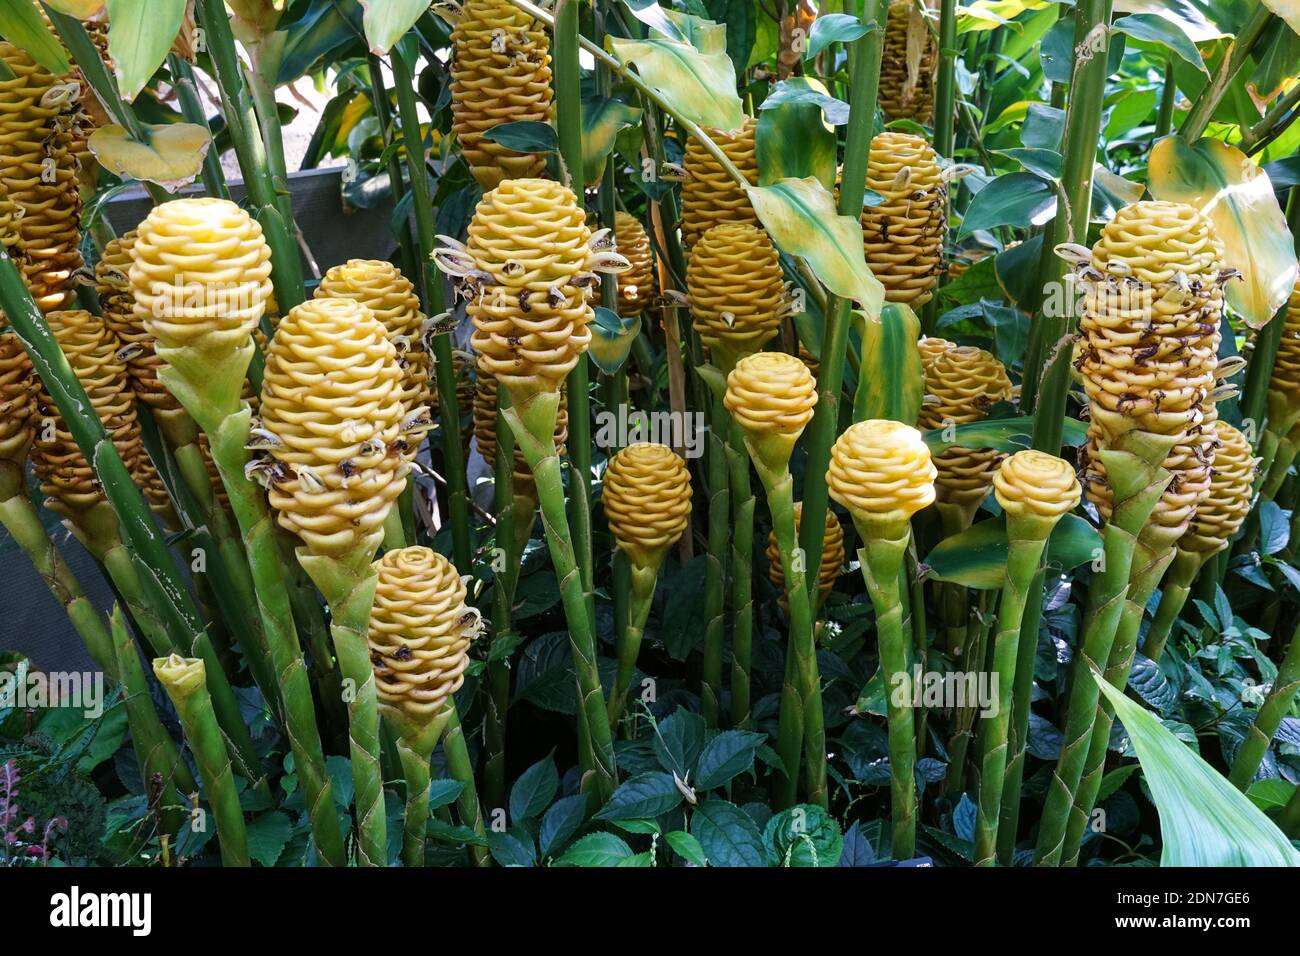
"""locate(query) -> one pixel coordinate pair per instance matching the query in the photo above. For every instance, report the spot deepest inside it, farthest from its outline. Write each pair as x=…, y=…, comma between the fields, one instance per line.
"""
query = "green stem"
x=268, y=119
x=498, y=703
x=183, y=680
x=1199, y=117
x=1168, y=98
x=445, y=369
x=462, y=769
x=1021, y=697
x=946, y=82
x=187, y=93
x=629, y=640
x=742, y=573
x=1277, y=704
x=1173, y=596
x=383, y=111
x=715, y=568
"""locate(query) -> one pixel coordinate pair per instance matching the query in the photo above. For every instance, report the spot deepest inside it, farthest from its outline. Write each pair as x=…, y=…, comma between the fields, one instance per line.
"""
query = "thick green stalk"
x=715, y=567
x=383, y=111
x=415, y=745
x=183, y=680
x=268, y=118
x=1173, y=596
x=946, y=81
x=1024, y=551
x=629, y=641
x=1199, y=116
x=187, y=94
x=448, y=411
x=461, y=768
x=533, y=425
x=498, y=670
x=882, y=558
x=1138, y=481
x=1018, y=740
x=864, y=80
x=742, y=573
x=1168, y=98
x=1277, y=704
x=348, y=585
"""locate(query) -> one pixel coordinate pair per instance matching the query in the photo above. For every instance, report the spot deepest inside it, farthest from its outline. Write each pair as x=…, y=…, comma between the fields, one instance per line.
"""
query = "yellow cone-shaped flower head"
x=881, y=472
x=709, y=195
x=832, y=556
x=501, y=73
x=1035, y=489
x=201, y=274
x=337, y=430
x=181, y=676
x=737, y=291
x=528, y=270
x=18, y=390
x=1284, y=384
x=647, y=499
x=1232, y=483
x=772, y=395
x=907, y=64
x=420, y=632
x=902, y=236
x=636, y=286
x=931, y=347
x=391, y=298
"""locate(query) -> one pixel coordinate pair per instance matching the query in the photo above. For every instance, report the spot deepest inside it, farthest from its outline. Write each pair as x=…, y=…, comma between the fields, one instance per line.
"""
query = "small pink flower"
x=37, y=852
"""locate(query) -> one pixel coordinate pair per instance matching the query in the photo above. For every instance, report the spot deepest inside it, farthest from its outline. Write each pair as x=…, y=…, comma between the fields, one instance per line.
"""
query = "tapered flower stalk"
x=1153, y=299
x=528, y=270
x=709, y=194
x=771, y=395
x=501, y=73
x=881, y=472
x=200, y=278
x=419, y=637
x=647, y=500
x=828, y=569
x=338, y=434
x=38, y=172
x=636, y=286
x=1034, y=489
x=184, y=681
x=903, y=236
x=1216, y=521
x=907, y=64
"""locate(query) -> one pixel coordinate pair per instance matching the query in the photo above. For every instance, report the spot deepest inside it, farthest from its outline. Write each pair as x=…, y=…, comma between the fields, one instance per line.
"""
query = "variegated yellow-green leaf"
x=891, y=383
x=977, y=557
x=1288, y=10
x=1204, y=819
x=21, y=25
x=170, y=155
x=611, y=339
x=800, y=216
x=81, y=9
x=793, y=140
x=994, y=14
x=705, y=35
x=1187, y=15
x=140, y=34
x=602, y=120
x=385, y=21
x=1222, y=182
x=698, y=86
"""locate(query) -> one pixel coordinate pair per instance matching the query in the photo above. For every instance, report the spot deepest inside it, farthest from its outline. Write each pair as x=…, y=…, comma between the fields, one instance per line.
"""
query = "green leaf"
x=322, y=29
x=801, y=218
x=1288, y=10
x=267, y=834
x=603, y=118
x=800, y=90
x=1237, y=197
x=792, y=140
x=1274, y=527
x=834, y=28
x=653, y=15
x=891, y=384
x=21, y=25
x=687, y=847
x=443, y=792
x=140, y=35
x=561, y=822
x=727, y=834
x=1016, y=199
x=386, y=21
x=1016, y=269
x=804, y=835
x=1042, y=162
x=1004, y=434
x=1156, y=29
x=699, y=86
x=170, y=154
x=511, y=848
x=596, y=849
x=977, y=557
x=644, y=796
x=1204, y=819
x=678, y=741
x=534, y=790
x=725, y=756
x=612, y=337
x=525, y=136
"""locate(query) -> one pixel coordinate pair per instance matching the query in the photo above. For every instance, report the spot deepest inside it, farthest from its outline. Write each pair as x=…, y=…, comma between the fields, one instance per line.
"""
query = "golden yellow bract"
x=881, y=471
x=647, y=499
x=709, y=195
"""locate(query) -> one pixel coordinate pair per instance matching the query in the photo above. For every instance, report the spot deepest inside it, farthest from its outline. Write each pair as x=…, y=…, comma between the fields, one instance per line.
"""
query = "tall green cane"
x=503, y=591
x=1277, y=704
x=715, y=567
x=415, y=746
x=183, y=680
x=462, y=769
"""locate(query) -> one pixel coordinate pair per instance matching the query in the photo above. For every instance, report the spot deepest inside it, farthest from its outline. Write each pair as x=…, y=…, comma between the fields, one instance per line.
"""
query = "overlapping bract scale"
x=832, y=556
x=907, y=65
x=709, y=195
x=1034, y=484
x=636, y=286
x=902, y=235
x=881, y=472
x=647, y=499
x=737, y=291
x=1232, y=480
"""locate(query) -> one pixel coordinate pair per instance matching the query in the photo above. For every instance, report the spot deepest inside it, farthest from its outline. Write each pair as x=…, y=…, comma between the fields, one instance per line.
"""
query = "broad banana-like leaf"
x=705, y=35
x=170, y=155
x=81, y=9
x=801, y=217
x=1204, y=819
x=21, y=25
x=611, y=339
x=977, y=557
x=603, y=118
x=793, y=140
x=699, y=86
x=1157, y=29
x=386, y=21
x=830, y=27
x=1005, y=434
x=1237, y=196
x=1014, y=199
x=1288, y=10
x=995, y=14
x=325, y=26
x=891, y=383
x=140, y=34
x=1185, y=14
